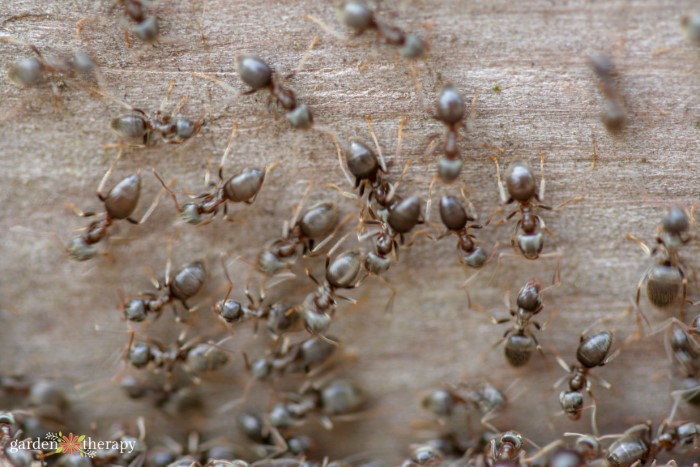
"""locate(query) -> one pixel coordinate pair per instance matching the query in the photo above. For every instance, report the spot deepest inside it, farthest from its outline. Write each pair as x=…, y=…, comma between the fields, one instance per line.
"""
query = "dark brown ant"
x=119, y=204
x=280, y=318
x=522, y=188
x=368, y=169
x=140, y=129
x=667, y=276
x=592, y=352
x=484, y=397
x=457, y=220
x=520, y=342
x=614, y=114
x=36, y=71
x=359, y=17
x=317, y=223
x=343, y=272
x=258, y=75
x=196, y=358
x=450, y=111
x=185, y=284
x=241, y=188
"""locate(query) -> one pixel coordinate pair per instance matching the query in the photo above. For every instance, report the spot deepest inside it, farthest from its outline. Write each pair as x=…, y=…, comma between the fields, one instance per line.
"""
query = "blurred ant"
x=519, y=340
x=664, y=279
x=614, y=114
x=359, y=17
x=119, y=204
x=522, y=188
x=139, y=129
x=145, y=25
x=196, y=358
x=241, y=188
x=592, y=352
x=334, y=399
x=691, y=26
x=484, y=397
x=183, y=285
x=36, y=71
x=317, y=223
x=258, y=75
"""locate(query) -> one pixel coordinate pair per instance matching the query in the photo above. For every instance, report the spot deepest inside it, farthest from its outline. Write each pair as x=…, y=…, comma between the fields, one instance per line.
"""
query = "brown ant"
x=522, y=188
x=450, y=111
x=140, y=129
x=119, y=204
x=185, y=284
x=592, y=352
x=664, y=279
x=241, y=188
x=614, y=114
x=359, y=17
x=317, y=223
x=519, y=340
x=36, y=71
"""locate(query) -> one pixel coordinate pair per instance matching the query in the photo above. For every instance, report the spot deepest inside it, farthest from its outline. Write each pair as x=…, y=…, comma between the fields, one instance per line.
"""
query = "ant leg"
x=429, y=203
x=501, y=189
x=167, y=188
x=326, y=28
x=382, y=164
x=540, y=196
x=304, y=58
x=575, y=199
x=297, y=210
x=340, y=156
x=639, y=242
x=221, y=84
x=234, y=134
x=164, y=102
x=594, y=406
x=681, y=313
x=101, y=186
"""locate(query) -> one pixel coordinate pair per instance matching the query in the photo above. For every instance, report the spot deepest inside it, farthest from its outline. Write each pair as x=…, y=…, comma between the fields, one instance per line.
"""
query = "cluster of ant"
x=169, y=375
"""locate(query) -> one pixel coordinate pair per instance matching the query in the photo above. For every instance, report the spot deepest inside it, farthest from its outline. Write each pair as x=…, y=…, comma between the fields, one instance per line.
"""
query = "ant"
x=592, y=352
x=450, y=111
x=280, y=317
x=145, y=26
x=140, y=129
x=664, y=279
x=368, y=168
x=359, y=17
x=522, y=188
x=457, y=220
x=319, y=222
x=258, y=75
x=119, y=204
x=328, y=399
x=485, y=397
x=185, y=284
x=36, y=71
x=520, y=341
x=197, y=358
x=341, y=273
x=614, y=114
x=241, y=188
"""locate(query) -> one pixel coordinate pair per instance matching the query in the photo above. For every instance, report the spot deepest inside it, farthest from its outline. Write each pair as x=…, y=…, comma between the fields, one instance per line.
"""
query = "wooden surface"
x=535, y=52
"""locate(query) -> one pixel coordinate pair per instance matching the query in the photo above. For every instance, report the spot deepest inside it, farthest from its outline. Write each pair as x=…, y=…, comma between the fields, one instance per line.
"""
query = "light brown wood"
x=535, y=52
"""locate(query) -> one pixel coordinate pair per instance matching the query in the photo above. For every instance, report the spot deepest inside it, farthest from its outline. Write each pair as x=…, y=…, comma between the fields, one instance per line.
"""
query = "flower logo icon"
x=70, y=444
